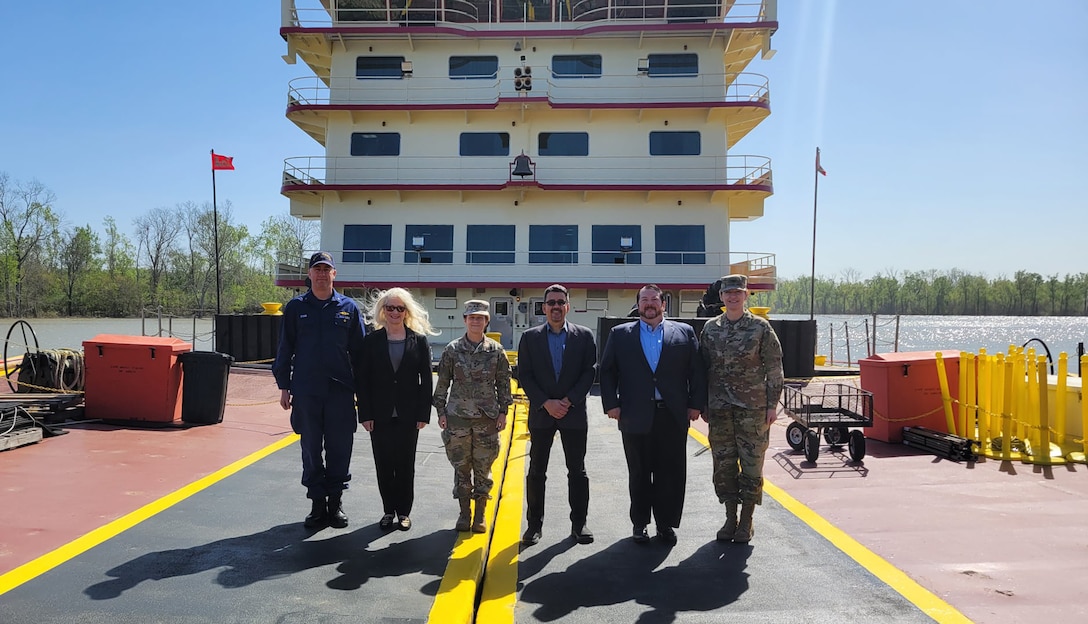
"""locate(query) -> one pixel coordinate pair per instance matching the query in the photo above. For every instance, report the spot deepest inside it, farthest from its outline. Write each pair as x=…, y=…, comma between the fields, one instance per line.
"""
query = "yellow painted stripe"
x=82, y=544
x=455, y=602
x=499, y=596
x=895, y=578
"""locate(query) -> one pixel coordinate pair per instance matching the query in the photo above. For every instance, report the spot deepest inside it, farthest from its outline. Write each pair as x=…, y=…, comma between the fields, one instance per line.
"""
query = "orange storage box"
x=907, y=392
x=133, y=378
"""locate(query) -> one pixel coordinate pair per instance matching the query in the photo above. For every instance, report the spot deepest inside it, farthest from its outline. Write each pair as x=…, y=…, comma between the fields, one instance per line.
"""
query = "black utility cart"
x=828, y=411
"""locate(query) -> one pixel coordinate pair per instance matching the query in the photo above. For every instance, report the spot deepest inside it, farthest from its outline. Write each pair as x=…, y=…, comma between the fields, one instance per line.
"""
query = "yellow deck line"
x=82, y=544
x=455, y=602
x=895, y=578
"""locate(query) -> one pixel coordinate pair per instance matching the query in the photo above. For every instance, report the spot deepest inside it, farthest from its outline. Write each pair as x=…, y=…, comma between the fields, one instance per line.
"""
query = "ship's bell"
x=522, y=166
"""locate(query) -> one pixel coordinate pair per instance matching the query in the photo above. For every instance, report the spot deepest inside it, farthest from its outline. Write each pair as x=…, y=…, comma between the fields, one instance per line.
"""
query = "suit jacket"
x=628, y=382
x=408, y=388
x=536, y=375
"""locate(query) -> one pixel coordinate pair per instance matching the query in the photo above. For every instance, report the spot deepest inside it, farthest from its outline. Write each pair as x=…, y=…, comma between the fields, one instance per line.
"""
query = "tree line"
x=947, y=292
x=51, y=267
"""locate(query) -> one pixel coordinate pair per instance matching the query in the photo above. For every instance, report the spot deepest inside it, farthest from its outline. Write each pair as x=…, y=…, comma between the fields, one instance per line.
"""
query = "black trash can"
x=204, y=386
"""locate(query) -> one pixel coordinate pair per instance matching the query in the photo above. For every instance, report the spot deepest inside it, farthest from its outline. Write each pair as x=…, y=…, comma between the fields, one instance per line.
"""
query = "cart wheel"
x=857, y=445
x=812, y=446
x=795, y=436
x=836, y=436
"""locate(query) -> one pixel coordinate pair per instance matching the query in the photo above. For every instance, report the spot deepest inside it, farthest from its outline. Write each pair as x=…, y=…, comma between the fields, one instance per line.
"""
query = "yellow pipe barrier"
x=1059, y=395
x=1043, y=454
x=985, y=377
x=1006, y=412
x=946, y=397
x=961, y=429
x=1029, y=414
x=1083, y=411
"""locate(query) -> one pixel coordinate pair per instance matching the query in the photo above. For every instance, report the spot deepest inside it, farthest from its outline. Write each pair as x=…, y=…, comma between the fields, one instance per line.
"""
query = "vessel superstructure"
x=487, y=149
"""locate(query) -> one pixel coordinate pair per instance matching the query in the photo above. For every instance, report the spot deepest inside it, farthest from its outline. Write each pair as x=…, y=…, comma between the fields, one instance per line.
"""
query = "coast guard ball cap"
x=321, y=257
x=734, y=282
x=477, y=306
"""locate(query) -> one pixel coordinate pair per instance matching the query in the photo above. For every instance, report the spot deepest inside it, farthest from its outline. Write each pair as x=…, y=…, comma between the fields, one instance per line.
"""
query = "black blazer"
x=408, y=389
x=537, y=377
x=628, y=382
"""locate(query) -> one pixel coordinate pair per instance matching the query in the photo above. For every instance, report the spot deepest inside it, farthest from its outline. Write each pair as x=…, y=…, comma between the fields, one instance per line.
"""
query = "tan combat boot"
x=744, y=531
x=479, y=524
x=725, y=534
x=464, y=521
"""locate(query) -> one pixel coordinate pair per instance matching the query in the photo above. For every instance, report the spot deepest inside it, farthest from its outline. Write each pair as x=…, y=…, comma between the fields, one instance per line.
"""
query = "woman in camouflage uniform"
x=472, y=412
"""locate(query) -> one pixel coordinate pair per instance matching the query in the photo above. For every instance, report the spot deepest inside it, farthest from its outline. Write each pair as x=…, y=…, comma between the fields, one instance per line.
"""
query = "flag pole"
x=215, y=233
x=812, y=277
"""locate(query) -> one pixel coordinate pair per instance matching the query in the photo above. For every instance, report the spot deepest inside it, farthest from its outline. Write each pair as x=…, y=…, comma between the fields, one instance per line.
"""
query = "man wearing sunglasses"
x=557, y=361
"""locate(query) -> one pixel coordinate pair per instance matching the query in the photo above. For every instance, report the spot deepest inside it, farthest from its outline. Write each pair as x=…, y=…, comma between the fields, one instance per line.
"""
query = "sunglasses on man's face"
x=394, y=308
x=556, y=302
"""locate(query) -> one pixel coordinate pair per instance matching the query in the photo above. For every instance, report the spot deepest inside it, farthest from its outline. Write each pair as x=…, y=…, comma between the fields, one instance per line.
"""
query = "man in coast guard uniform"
x=320, y=346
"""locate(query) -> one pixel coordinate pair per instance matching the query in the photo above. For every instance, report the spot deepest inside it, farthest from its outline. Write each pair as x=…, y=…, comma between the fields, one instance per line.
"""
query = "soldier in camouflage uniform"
x=472, y=412
x=743, y=360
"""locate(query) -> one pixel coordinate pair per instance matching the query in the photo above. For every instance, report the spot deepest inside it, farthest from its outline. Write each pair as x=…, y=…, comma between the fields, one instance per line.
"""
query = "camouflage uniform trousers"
x=738, y=441
x=472, y=445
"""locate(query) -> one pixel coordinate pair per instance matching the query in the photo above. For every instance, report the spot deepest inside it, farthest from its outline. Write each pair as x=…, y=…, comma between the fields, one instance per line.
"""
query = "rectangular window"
x=485, y=144
x=375, y=144
x=367, y=243
x=576, y=66
x=553, y=244
x=474, y=67
x=680, y=244
x=674, y=64
x=437, y=247
x=563, y=144
x=376, y=67
x=675, y=144
x=490, y=244
x=609, y=241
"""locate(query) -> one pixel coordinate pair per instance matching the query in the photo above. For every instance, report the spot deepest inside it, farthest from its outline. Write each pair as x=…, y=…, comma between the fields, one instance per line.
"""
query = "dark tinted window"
x=553, y=244
x=576, y=66
x=563, y=144
x=675, y=144
x=674, y=64
x=378, y=67
x=490, y=244
x=607, y=248
x=375, y=144
x=474, y=66
x=437, y=244
x=367, y=243
x=680, y=244
x=485, y=144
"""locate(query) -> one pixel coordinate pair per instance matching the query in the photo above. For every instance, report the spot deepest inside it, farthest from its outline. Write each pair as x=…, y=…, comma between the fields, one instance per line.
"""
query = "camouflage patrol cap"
x=734, y=282
x=477, y=306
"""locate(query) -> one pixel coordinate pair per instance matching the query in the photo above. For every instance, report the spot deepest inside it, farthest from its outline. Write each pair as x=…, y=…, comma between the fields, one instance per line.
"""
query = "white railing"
x=704, y=89
x=636, y=267
x=453, y=171
x=347, y=13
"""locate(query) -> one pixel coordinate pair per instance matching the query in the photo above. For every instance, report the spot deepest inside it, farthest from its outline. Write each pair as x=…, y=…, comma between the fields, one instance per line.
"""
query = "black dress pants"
x=394, y=444
x=657, y=470
x=574, y=451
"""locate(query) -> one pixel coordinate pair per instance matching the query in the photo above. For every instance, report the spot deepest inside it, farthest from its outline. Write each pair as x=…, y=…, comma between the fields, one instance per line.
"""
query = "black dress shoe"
x=581, y=534
x=531, y=536
x=404, y=523
x=666, y=534
x=337, y=518
x=386, y=523
x=639, y=535
x=317, y=516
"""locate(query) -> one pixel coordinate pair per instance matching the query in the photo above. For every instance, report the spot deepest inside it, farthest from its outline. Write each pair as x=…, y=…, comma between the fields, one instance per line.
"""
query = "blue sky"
x=953, y=133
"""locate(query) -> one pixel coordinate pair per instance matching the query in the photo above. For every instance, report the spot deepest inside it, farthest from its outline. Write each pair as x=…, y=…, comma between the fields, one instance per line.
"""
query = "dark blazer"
x=628, y=383
x=536, y=376
x=409, y=388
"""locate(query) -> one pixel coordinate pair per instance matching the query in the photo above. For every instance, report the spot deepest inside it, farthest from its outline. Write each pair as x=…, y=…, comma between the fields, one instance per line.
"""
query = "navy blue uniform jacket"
x=408, y=389
x=628, y=383
x=320, y=344
x=536, y=375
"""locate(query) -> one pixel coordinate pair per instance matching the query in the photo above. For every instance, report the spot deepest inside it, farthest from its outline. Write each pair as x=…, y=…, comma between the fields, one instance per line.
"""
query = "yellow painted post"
x=1019, y=391
x=946, y=397
x=1042, y=455
x=969, y=417
x=1029, y=404
x=962, y=411
x=1060, y=389
x=1084, y=409
x=985, y=373
x=1006, y=412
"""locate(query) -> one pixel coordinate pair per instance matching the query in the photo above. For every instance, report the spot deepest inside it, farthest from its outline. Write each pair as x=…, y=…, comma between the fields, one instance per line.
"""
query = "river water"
x=915, y=333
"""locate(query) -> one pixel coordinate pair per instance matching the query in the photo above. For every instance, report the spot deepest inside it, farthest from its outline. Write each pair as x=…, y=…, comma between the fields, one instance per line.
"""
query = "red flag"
x=819, y=169
x=222, y=163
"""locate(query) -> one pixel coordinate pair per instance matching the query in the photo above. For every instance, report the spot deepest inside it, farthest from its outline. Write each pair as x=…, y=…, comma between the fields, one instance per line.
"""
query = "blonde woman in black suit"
x=395, y=388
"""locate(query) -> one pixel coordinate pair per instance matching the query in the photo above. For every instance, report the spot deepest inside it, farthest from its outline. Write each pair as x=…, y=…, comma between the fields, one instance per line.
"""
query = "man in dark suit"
x=556, y=366
x=654, y=384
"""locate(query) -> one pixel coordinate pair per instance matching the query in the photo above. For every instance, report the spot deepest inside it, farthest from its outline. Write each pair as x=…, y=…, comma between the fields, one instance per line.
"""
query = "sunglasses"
x=556, y=302
x=394, y=308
